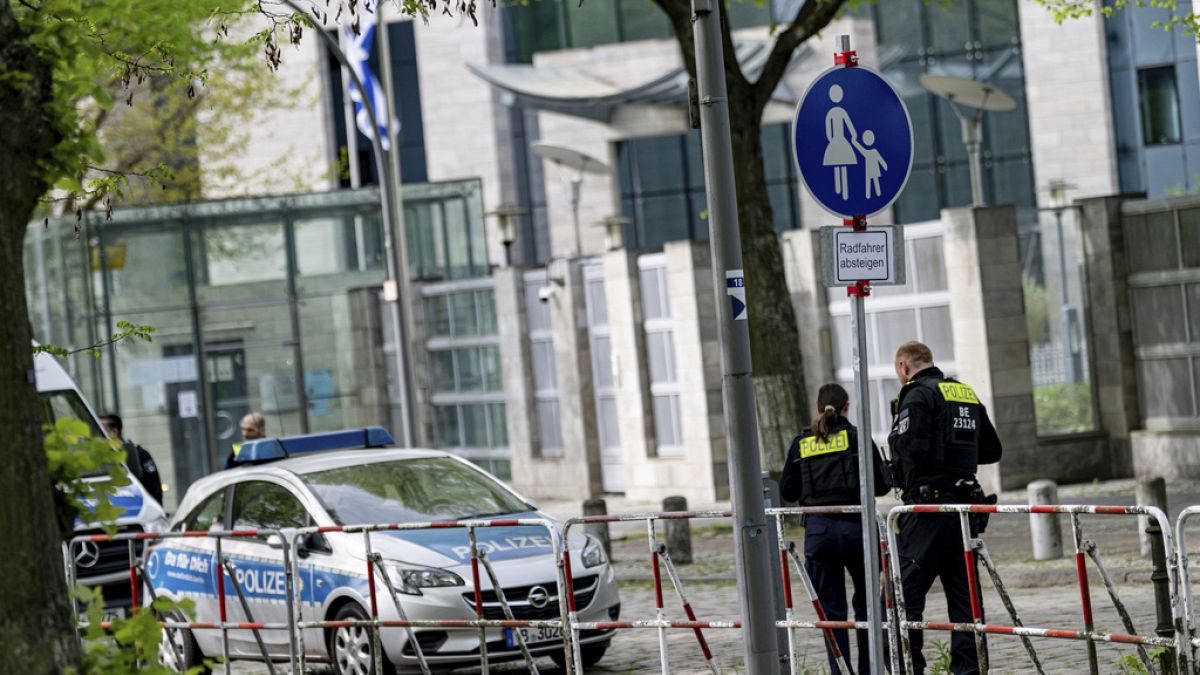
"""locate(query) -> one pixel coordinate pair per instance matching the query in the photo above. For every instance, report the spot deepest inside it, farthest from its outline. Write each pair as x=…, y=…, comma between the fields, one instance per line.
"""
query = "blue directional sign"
x=853, y=141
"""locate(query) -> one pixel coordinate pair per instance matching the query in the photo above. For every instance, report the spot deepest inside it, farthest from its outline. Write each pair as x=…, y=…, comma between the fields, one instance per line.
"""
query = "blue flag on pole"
x=358, y=52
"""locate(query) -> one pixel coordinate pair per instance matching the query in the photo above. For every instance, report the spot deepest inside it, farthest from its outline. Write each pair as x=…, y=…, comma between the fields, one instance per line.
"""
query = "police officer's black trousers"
x=833, y=548
x=931, y=547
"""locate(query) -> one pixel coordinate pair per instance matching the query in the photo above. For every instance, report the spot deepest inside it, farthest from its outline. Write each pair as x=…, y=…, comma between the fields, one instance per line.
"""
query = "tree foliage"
x=1078, y=9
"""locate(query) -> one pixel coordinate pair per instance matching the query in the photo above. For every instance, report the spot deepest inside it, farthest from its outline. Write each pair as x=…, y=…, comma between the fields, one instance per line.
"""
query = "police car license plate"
x=531, y=635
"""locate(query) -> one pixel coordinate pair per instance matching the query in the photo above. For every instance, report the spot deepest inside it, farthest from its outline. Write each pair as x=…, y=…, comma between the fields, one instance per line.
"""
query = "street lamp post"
x=1071, y=357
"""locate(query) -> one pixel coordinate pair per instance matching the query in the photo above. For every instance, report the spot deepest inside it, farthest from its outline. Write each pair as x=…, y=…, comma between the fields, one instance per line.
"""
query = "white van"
x=99, y=564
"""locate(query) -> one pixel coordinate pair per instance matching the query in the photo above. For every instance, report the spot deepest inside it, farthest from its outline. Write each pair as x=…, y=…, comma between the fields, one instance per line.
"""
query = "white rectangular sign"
x=875, y=255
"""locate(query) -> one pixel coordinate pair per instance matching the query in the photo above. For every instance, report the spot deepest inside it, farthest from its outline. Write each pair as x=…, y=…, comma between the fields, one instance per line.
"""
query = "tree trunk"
x=779, y=386
x=36, y=629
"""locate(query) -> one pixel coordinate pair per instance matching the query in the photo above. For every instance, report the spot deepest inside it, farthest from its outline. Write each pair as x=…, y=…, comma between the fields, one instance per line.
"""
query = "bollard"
x=1150, y=492
x=1162, y=592
x=679, y=532
x=1044, y=528
x=596, y=506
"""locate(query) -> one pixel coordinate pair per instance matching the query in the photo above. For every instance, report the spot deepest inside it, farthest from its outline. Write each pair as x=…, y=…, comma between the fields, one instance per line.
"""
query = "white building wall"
x=1070, y=112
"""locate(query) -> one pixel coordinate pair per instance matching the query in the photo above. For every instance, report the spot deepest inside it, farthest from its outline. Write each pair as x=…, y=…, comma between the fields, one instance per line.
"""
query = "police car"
x=349, y=478
x=103, y=565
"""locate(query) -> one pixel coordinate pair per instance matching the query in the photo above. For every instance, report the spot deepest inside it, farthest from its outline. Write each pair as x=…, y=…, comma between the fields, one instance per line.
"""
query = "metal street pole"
x=745, y=467
x=972, y=135
x=866, y=456
x=1064, y=310
x=387, y=207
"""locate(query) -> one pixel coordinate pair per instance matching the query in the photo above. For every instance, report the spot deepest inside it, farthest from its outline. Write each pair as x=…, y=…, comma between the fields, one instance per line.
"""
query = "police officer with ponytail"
x=940, y=435
x=822, y=470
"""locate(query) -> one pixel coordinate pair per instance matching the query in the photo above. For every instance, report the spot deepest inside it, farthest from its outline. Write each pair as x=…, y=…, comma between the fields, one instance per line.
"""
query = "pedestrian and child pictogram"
x=853, y=142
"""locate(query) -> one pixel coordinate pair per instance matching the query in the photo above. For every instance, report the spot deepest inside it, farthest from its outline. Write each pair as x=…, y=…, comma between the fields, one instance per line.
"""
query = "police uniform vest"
x=829, y=468
x=957, y=415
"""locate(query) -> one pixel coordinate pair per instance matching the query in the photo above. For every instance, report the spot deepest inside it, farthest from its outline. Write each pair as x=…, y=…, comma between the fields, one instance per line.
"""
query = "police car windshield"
x=430, y=488
x=64, y=403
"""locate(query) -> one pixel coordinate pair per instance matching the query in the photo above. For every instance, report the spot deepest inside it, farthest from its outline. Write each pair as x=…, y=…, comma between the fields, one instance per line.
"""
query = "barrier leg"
x=830, y=640
x=1002, y=591
x=1085, y=595
x=658, y=598
x=1185, y=580
x=228, y=566
x=387, y=582
x=298, y=618
x=889, y=599
x=289, y=602
x=376, y=644
x=483, y=653
x=974, y=589
x=221, y=608
x=487, y=567
x=687, y=608
x=785, y=572
x=1090, y=547
x=574, y=654
x=901, y=613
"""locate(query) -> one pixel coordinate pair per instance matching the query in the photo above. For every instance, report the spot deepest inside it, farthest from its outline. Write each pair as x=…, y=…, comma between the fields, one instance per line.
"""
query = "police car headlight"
x=410, y=579
x=593, y=553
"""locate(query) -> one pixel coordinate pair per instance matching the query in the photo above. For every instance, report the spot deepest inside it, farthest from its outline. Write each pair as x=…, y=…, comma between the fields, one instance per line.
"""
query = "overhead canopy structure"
x=573, y=91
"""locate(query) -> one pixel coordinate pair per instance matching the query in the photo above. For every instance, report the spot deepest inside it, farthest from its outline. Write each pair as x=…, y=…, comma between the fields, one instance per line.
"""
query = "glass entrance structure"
x=268, y=304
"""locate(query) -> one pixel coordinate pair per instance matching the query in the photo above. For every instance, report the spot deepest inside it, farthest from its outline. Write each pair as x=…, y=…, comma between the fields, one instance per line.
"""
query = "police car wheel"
x=351, y=647
x=178, y=651
x=591, y=655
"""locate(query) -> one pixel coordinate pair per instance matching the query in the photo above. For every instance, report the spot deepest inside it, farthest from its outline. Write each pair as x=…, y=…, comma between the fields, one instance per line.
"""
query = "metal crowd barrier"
x=1082, y=547
x=478, y=559
x=137, y=577
x=1184, y=642
x=1189, y=606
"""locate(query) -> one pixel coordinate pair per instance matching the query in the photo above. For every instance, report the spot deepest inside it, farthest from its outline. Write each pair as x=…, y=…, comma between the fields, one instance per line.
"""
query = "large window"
x=918, y=310
x=662, y=186
x=547, y=25
x=467, y=391
x=545, y=374
x=1159, y=105
x=974, y=39
x=407, y=95
x=445, y=238
x=660, y=355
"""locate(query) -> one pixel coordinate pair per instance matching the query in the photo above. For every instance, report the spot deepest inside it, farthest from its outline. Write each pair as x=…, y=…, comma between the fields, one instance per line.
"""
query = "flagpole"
x=395, y=263
x=395, y=180
x=350, y=121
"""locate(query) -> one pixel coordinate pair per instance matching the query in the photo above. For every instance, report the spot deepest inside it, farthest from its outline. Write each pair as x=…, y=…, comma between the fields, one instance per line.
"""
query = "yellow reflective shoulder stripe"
x=813, y=446
x=958, y=392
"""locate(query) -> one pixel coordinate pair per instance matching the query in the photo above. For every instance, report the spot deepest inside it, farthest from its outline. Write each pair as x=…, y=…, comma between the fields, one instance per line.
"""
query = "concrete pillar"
x=596, y=506
x=991, y=346
x=1110, y=327
x=679, y=532
x=517, y=374
x=1045, y=529
x=576, y=395
x=1150, y=492
x=810, y=300
x=622, y=291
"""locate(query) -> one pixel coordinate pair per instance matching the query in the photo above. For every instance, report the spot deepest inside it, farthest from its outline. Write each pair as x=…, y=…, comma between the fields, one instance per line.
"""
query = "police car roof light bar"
x=271, y=449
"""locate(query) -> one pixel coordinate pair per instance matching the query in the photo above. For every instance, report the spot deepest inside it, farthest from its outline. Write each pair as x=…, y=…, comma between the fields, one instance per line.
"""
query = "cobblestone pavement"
x=1045, y=593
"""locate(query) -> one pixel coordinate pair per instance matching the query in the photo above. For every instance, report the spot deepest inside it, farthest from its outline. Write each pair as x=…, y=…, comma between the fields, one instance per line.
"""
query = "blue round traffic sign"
x=853, y=141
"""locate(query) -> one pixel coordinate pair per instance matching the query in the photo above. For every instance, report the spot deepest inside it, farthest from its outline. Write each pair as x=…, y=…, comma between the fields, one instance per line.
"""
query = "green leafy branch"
x=1078, y=9
x=127, y=645
x=87, y=471
x=127, y=331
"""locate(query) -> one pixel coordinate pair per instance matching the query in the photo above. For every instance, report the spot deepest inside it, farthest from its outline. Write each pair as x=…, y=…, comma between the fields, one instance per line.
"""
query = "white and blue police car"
x=352, y=478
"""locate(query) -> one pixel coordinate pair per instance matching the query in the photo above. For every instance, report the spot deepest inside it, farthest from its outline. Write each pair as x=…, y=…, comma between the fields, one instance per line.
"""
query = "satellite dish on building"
x=980, y=97
x=576, y=161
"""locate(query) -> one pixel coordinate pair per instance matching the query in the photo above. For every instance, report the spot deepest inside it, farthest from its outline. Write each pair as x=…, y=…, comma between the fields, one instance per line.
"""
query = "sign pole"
x=866, y=473
x=754, y=556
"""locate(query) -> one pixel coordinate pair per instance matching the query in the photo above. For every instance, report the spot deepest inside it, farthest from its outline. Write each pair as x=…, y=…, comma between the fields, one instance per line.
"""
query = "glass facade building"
x=268, y=304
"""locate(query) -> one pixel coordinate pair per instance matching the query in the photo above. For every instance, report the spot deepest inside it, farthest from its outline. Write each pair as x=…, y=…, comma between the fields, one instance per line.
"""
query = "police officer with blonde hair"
x=822, y=470
x=940, y=434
